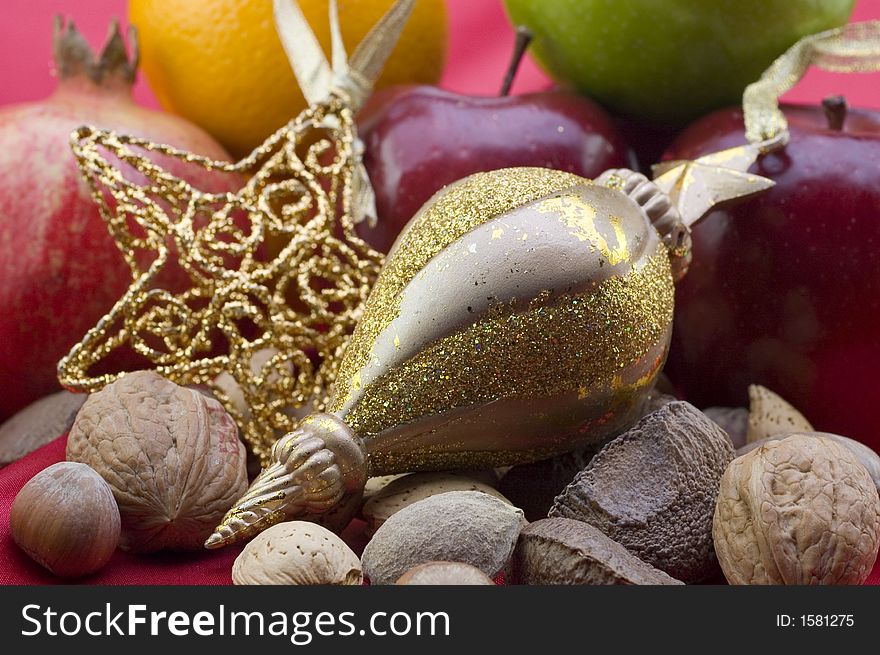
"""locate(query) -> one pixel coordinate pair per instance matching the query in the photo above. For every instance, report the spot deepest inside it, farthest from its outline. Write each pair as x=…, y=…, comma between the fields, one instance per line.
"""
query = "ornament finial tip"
x=311, y=469
x=214, y=541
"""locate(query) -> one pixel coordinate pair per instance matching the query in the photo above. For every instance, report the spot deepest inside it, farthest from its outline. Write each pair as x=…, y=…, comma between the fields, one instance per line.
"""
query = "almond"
x=297, y=553
x=770, y=414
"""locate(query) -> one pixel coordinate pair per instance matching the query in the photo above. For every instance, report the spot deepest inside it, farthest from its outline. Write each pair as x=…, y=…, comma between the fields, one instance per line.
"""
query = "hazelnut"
x=444, y=573
x=65, y=518
x=297, y=553
x=171, y=455
x=798, y=510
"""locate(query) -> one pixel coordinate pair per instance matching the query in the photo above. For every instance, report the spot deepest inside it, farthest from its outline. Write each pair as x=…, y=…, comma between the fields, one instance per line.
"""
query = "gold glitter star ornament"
x=278, y=277
x=522, y=313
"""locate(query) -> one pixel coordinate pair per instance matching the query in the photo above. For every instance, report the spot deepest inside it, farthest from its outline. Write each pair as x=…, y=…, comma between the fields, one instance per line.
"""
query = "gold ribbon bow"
x=351, y=78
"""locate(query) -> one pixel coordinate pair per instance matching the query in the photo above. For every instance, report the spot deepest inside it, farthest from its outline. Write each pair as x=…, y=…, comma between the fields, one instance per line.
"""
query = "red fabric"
x=203, y=568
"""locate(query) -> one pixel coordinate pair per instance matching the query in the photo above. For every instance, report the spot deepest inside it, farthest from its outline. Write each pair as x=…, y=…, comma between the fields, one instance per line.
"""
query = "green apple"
x=668, y=61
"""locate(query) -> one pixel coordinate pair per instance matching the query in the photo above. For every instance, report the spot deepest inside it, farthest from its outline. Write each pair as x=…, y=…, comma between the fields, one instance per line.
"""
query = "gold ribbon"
x=853, y=48
x=351, y=79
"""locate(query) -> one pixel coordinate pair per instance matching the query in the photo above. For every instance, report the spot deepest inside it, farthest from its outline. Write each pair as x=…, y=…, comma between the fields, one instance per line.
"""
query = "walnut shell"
x=297, y=553
x=171, y=455
x=653, y=490
x=799, y=510
x=866, y=456
x=66, y=520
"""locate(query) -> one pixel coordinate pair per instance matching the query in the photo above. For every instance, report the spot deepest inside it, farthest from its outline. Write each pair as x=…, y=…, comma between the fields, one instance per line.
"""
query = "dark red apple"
x=784, y=289
x=420, y=138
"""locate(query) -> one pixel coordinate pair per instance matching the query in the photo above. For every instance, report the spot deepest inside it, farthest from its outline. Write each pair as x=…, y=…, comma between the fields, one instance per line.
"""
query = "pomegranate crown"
x=74, y=56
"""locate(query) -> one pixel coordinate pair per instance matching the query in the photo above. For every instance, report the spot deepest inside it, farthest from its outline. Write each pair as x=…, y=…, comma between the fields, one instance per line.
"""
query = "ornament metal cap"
x=682, y=192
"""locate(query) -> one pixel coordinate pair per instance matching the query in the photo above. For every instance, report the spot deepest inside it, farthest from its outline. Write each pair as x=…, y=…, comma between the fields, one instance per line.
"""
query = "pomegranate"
x=60, y=268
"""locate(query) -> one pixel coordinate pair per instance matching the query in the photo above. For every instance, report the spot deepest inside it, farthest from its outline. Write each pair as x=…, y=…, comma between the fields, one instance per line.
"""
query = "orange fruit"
x=220, y=63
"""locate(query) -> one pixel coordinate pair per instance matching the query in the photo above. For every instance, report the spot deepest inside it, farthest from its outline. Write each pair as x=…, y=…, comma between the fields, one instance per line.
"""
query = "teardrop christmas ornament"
x=450, y=367
x=523, y=312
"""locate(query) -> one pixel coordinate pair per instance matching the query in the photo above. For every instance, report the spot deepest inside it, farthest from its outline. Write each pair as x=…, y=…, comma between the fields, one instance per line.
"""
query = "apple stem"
x=523, y=38
x=835, y=112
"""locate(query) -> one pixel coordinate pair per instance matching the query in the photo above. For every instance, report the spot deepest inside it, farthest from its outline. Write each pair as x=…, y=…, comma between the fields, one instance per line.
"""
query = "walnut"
x=171, y=455
x=868, y=458
x=799, y=510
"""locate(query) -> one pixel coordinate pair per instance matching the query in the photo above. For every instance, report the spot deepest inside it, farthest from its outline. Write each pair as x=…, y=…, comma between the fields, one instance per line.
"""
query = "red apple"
x=784, y=289
x=420, y=138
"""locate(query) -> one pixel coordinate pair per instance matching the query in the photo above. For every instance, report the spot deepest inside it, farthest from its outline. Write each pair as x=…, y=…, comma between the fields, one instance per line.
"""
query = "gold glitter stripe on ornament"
x=593, y=337
x=441, y=459
x=853, y=48
x=459, y=209
x=506, y=259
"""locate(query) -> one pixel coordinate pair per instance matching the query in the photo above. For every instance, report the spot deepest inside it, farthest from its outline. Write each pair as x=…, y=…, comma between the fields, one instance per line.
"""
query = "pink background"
x=480, y=44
